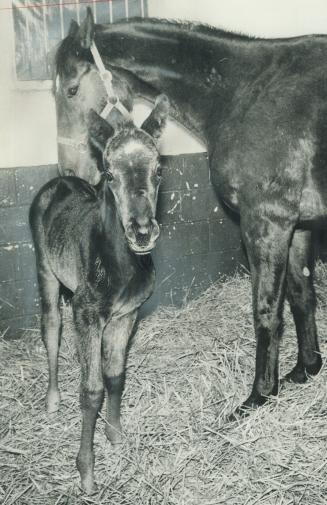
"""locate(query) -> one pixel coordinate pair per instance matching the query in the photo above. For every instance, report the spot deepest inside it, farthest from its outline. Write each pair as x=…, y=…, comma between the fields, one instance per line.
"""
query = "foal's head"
x=131, y=164
x=77, y=89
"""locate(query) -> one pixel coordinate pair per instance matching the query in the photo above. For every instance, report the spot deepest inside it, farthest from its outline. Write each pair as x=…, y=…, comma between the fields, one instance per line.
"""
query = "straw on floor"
x=187, y=370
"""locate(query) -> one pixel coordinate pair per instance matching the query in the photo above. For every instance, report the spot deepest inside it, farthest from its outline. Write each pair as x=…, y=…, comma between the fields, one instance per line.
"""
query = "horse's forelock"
x=130, y=132
x=69, y=48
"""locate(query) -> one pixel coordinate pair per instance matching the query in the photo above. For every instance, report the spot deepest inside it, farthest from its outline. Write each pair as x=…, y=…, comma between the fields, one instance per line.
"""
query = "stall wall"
x=263, y=18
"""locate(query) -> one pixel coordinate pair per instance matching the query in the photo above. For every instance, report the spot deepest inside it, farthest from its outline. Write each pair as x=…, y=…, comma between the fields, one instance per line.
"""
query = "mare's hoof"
x=297, y=375
x=300, y=374
x=253, y=402
x=52, y=402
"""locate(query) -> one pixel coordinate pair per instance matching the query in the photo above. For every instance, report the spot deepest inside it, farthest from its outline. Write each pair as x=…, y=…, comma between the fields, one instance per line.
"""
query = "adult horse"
x=260, y=106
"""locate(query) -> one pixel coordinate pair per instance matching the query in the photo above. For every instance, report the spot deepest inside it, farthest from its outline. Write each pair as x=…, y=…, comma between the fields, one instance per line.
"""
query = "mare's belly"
x=313, y=206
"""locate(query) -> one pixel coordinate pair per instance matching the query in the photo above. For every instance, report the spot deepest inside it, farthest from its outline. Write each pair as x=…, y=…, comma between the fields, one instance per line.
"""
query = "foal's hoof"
x=88, y=486
x=52, y=402
x=253, y=402
x=114, y=435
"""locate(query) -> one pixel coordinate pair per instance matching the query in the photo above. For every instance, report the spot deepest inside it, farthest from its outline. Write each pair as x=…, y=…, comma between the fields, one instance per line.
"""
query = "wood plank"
x=69, y=13
x=21, y=54
x=35, y=40
x=103, y=12
x=134, y=7
x=39, y=29
x=118, y=10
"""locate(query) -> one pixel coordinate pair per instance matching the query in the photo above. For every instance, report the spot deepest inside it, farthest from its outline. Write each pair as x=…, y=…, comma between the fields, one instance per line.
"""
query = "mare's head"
x=131, y=165
x=77, y=89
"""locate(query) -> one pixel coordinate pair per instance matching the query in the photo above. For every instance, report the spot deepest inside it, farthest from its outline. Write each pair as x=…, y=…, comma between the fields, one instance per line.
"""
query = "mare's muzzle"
x=142, y=235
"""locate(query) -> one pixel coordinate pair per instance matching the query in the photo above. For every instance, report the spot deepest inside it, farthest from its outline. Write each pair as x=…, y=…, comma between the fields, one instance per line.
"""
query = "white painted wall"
x=266, y=18
x=27, y=115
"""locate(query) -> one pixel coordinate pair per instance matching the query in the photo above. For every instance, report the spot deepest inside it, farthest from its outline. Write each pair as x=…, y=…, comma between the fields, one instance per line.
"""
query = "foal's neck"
x=112, y=231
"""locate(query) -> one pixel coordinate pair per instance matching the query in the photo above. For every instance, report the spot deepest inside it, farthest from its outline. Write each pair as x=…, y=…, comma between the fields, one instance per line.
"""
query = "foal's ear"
x=99, y=130
x=157, y=120
x=86, y=30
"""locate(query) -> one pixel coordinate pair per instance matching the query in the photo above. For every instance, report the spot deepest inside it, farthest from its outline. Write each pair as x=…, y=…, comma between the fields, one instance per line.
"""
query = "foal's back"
x=64, y=216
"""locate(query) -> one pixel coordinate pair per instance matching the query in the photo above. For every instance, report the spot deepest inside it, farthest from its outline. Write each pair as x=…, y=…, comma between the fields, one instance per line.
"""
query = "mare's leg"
x=89, y=330
x=301, y=296
x=51, y=331
x=115, y=340
x=267, y=244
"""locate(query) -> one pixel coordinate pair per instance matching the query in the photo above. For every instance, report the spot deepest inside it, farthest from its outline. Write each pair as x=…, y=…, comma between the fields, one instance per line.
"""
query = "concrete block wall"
x=197, y=245
x=19, y=300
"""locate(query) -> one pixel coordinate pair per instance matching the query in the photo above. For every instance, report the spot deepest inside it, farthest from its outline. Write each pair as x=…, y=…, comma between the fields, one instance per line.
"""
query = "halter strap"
x=112, y=103
x=106, y=77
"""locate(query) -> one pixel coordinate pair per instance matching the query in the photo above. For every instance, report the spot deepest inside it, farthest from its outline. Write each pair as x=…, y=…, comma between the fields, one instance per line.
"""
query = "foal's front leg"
x=115, y=340
x=267, y=244
x=88, y=325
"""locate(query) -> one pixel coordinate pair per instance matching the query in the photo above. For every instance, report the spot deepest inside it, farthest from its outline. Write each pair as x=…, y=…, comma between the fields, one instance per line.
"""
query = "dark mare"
x=95, y=241
x=261, y=107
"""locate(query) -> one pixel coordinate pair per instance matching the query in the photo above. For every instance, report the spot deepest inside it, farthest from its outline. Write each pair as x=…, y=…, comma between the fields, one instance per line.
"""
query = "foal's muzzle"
x=142, y=235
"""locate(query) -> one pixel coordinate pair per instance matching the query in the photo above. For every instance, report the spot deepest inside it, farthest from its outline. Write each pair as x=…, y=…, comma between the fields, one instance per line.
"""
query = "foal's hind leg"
x=115, y=340
x=301, y=296
x=51, y=332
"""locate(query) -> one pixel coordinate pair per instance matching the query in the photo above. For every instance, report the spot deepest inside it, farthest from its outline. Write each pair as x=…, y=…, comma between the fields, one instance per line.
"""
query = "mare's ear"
x=157, y=120
x=85, y=33
x=99, y=130
x=73, y=28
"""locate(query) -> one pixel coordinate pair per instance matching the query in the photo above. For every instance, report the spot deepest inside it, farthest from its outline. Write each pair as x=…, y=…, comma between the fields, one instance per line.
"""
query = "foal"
x=95, y=240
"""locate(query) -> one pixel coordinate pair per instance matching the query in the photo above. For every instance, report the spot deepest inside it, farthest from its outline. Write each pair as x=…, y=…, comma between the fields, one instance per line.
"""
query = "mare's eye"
x=159, y=170
x=72, y=91
x=110, y=177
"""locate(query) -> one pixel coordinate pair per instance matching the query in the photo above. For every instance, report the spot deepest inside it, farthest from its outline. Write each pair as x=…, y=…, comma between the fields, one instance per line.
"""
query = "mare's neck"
x=199, y=68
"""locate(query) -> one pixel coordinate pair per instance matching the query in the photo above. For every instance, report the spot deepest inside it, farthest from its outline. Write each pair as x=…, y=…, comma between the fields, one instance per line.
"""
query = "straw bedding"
x=187, y=370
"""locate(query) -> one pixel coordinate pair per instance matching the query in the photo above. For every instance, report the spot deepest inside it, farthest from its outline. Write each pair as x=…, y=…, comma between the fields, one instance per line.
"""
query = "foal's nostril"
x=142, y=227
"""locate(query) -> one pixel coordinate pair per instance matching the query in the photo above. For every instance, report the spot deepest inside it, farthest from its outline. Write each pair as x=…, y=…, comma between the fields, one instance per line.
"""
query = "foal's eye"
x=72, y=91
x=110, y=177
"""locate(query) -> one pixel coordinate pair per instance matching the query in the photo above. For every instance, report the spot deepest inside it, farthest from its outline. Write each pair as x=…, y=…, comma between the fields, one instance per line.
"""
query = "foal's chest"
x=132, y=287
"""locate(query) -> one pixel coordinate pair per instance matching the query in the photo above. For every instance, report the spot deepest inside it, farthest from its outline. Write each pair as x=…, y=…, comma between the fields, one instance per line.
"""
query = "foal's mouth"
x=141, y=250
x=142, y=238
